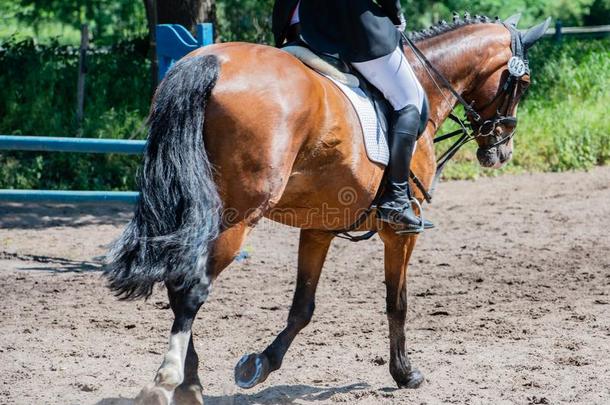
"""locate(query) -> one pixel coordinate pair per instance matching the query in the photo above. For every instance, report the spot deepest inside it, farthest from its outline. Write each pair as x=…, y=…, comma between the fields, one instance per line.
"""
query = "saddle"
x=335, y=68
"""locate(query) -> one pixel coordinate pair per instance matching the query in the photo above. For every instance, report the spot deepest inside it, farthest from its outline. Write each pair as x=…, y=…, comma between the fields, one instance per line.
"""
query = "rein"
x=470, y=129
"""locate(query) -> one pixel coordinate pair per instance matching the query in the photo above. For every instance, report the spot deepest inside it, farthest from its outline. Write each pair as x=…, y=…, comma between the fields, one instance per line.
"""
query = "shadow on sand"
x=47, y=215
x=54, y=264
x=281, y=394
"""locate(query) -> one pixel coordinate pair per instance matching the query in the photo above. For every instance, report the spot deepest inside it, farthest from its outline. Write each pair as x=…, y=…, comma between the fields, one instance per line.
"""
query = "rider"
x=367, y=35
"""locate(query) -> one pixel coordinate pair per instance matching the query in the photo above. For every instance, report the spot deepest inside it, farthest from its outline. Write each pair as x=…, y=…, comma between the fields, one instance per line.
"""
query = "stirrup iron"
x=421, y=228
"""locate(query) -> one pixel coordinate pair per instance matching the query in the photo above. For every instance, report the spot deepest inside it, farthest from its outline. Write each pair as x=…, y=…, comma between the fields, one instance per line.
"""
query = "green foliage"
x=245, y=20
x=39, y=97
x=109, y=20
x=571, y=12
x=599, y=13
x=570, y=106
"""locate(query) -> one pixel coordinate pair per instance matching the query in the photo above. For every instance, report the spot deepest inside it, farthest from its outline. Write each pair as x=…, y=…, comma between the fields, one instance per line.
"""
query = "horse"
x=240, y=131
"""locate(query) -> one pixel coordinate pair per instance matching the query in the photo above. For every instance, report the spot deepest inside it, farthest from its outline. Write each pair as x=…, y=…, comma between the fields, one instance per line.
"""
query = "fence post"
x=558, y=29
x=205, y=34
x=82, y=72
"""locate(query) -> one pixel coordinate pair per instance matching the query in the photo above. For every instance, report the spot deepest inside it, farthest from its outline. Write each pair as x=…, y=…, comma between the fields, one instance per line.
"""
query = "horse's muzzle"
x=495, y=157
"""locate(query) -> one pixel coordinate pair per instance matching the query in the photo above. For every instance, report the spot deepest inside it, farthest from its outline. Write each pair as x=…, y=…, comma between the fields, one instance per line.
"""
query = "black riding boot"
x=395, y=203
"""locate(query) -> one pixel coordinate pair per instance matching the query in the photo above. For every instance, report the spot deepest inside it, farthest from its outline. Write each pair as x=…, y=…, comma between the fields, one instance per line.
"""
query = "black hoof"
x=413, y=380
x=252, y=369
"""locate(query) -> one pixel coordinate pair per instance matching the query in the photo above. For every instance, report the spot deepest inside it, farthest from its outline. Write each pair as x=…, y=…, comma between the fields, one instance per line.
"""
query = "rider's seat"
x=338, y=70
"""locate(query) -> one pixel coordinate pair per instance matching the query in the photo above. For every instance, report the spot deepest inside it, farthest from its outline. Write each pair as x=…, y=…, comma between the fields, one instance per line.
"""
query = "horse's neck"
x=459, y=60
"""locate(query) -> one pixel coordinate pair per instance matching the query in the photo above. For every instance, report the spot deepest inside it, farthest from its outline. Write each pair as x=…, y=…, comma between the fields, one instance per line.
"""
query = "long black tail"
x=178, y=213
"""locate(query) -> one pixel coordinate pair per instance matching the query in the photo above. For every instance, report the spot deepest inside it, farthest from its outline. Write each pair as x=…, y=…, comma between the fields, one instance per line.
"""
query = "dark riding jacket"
x=357, y=30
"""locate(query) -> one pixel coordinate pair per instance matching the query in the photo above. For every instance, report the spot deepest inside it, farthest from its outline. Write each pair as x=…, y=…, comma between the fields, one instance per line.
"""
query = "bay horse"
x=240, y=131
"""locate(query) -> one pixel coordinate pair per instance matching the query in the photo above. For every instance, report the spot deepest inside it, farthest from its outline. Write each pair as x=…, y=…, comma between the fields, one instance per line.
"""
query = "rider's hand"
x=403, y=23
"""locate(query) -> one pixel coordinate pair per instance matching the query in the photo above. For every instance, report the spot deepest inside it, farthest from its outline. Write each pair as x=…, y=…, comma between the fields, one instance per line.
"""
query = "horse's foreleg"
x=398, y=251
x=185, y=304
x=254, y=368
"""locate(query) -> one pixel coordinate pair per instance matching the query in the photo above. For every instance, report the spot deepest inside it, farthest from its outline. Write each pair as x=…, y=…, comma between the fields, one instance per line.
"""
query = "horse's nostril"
x=488, y=157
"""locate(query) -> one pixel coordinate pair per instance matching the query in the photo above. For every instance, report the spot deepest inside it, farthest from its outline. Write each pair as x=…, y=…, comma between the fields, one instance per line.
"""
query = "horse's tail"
x=178, y=213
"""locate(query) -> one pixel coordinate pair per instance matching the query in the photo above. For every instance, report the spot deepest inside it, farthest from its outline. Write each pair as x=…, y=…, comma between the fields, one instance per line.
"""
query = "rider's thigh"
x=394, y=77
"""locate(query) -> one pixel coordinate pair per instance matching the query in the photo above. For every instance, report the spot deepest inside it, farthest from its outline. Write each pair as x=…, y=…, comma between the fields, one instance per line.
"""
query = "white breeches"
x=394, y=77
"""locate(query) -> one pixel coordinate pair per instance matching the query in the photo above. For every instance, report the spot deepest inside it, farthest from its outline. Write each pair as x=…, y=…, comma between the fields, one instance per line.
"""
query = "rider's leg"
x=395, y=78
x=395, y=204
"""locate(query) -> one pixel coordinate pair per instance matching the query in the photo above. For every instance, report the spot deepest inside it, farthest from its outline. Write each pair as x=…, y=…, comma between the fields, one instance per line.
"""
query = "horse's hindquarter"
x=285, y=141
x=332, y=181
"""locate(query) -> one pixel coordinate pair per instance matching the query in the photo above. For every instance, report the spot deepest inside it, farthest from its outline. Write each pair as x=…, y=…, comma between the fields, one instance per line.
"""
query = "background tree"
x=187, y=13
x=184, y=12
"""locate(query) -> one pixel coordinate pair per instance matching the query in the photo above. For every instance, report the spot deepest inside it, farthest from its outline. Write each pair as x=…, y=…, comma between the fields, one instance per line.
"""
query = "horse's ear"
x=513, y=20
x=535, y=33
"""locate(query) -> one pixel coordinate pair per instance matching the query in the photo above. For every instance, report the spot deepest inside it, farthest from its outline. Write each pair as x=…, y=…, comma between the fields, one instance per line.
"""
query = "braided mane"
x=443, y=26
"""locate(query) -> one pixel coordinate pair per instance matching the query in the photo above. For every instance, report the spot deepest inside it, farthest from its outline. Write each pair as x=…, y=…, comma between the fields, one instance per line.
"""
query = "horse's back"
x=284, y=137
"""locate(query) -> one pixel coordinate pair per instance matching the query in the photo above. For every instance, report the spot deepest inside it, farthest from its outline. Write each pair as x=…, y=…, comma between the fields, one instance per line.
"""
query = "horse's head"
x=496, y=94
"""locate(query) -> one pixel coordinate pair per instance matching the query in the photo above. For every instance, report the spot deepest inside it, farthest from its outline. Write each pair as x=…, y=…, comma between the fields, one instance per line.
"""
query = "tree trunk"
x=151, y=16
x=184, y=12
x=187, y=13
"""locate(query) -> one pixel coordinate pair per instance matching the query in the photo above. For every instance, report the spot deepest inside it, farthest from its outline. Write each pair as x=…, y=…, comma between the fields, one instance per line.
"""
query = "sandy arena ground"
x=509, y=303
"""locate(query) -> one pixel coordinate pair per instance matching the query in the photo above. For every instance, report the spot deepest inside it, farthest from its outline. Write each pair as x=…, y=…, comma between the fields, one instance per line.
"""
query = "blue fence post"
x=205, y=34
x=174, y=41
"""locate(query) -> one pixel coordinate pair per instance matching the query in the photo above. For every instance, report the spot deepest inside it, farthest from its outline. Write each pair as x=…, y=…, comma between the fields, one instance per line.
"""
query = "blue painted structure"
x=129, y=197
x=81, y=145
x=174, y=41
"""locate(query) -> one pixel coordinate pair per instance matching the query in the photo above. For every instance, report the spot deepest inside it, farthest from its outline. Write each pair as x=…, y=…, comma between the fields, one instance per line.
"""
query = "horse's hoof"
x=154, y=395
x=414, y=380
x=252, y=369
x=188, y=395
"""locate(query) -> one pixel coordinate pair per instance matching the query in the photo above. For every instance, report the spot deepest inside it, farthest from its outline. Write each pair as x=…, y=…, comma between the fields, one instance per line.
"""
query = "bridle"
x=474, y=127
x=517, y=68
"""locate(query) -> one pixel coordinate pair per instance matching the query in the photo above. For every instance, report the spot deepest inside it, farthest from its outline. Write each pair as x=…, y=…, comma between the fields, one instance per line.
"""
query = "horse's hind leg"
x=177, y=378
x=184, y=303
x=398, y=251
x=254, y=368
x=225, y=250
x=190, y=391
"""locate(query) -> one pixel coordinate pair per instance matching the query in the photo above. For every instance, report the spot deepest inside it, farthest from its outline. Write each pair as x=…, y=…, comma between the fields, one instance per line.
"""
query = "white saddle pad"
x=375, y=139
